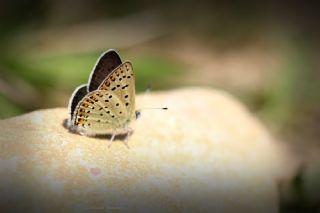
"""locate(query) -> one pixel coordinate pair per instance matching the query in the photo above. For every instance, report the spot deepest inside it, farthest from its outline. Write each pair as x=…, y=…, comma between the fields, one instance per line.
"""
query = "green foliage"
x=158, y=73
x=62, y=73
x=9, y=108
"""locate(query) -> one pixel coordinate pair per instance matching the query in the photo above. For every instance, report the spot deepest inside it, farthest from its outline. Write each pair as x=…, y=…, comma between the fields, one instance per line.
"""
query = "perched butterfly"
x=106, y=105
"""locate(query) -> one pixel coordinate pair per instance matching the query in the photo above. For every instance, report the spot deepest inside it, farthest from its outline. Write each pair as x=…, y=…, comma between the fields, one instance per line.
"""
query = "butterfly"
x=106, y=104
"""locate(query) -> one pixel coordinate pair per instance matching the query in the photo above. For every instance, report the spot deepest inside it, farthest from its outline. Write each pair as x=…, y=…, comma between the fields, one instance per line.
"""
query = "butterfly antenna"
x=146, y=108
x=146, y=92
x=138, y=112
x=148, y=88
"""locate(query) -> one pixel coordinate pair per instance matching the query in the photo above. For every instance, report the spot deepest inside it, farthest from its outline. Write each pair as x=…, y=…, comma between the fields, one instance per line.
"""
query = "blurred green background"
x=265, y=53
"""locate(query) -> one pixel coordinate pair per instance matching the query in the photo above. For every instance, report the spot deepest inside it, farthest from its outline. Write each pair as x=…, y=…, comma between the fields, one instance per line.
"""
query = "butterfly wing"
x=100, y=112
x=76, y=96
x=110, y=103
x=121, y=82
x=107, y=62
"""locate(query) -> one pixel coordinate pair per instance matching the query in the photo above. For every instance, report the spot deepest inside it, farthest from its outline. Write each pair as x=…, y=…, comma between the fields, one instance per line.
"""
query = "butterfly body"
x=102, y=112
x=107, y=104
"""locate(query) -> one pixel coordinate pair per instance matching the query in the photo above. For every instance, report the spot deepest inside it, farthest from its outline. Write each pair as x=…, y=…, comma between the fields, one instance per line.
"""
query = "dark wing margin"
x=77, y=96
x=104, y=66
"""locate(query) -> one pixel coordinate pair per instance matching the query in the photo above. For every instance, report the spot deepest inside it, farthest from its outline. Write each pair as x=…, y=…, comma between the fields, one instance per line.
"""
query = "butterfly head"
x=138, y=114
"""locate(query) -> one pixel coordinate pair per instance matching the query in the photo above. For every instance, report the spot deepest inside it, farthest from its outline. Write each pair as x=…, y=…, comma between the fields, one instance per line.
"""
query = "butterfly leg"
x=125, y=142
x=112, y=138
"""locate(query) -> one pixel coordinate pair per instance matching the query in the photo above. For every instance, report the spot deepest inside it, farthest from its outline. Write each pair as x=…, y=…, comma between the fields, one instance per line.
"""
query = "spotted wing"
x=107, y=62
x=77, y=95
x=100, y=112
x=121, y=82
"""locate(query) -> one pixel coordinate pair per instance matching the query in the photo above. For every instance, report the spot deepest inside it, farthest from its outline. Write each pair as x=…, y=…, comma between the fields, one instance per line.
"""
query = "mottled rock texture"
x=206, y=153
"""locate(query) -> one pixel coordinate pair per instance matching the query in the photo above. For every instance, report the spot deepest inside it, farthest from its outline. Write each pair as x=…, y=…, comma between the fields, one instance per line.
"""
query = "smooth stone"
x=206, y=153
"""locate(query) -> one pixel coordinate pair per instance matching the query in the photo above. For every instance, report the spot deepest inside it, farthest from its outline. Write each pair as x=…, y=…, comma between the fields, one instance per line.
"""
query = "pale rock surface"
x=206, y=153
